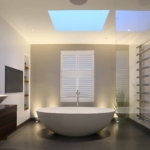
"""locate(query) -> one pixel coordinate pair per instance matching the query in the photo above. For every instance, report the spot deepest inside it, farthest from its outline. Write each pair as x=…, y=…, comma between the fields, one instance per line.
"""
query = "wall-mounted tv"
x=13, y=80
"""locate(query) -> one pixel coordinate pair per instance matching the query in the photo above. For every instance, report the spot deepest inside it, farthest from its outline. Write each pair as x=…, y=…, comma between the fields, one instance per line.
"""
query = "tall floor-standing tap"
x=77, y=93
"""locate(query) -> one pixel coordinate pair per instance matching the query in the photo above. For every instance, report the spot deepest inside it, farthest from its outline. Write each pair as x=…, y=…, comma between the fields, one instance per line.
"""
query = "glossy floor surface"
x=33, y=136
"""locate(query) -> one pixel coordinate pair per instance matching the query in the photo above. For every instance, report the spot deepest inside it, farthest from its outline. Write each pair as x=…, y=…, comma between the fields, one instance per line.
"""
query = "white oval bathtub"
x=75, y=121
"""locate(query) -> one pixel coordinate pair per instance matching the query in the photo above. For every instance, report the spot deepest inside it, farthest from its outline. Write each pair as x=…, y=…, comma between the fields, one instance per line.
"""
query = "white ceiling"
x=25, y=15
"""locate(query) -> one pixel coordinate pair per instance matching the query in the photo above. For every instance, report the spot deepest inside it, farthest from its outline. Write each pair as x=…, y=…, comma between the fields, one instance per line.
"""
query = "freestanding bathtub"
x=75, y=121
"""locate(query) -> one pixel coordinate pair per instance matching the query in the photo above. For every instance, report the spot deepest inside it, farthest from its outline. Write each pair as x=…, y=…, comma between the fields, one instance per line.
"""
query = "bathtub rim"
x=40, y=110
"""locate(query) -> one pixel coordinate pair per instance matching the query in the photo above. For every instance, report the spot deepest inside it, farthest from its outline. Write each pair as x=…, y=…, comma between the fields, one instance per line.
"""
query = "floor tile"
x=78, y=146
x=127, y=145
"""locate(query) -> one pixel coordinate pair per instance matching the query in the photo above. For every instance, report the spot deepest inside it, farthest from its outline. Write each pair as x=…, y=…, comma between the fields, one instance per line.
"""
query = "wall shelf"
x=26, y=68
x=26, y=108
x=26, y=83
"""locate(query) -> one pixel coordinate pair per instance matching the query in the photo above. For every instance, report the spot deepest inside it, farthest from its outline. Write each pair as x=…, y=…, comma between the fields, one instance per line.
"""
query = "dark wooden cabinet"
x=8, y=120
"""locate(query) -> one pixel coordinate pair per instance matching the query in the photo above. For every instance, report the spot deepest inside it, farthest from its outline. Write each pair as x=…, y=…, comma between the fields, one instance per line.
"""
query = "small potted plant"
x=121, y=106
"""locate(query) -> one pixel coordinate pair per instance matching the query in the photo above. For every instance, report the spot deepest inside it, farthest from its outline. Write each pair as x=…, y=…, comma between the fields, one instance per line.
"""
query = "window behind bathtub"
x=77, y=73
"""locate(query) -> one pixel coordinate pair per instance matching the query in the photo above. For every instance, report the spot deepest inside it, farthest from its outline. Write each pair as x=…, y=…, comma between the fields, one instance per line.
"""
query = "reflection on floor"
x=33, y=136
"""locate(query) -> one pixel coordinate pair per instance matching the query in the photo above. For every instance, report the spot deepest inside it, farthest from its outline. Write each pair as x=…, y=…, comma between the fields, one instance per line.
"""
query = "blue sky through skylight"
x=78, y=20
x=134, y=21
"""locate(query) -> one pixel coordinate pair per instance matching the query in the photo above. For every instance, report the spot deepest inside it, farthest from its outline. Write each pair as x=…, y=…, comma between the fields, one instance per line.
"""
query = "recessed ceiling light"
x=78, y=2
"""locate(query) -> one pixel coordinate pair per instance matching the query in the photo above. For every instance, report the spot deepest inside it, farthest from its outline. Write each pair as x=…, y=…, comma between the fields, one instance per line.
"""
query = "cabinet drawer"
x=8, y=119
x=8, y=111
x=7, y=129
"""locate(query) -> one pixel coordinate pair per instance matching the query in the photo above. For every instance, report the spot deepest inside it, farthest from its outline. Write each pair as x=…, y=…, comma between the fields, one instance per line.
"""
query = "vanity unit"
x=8, y=120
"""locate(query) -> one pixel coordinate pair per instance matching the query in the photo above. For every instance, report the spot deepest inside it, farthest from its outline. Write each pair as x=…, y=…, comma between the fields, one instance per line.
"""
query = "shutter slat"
x=69, y=62
x=86, y=86
x=68, y=87
x=85, y=62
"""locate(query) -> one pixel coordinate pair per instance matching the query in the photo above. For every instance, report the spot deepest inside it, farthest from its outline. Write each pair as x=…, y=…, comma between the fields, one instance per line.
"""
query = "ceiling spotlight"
x=78, y=2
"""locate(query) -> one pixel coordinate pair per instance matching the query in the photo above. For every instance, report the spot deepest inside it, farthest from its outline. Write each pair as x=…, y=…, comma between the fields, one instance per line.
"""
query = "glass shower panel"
x=133, y=30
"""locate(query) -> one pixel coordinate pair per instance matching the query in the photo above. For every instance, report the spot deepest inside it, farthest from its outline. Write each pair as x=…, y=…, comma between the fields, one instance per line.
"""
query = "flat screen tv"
x=13, y=80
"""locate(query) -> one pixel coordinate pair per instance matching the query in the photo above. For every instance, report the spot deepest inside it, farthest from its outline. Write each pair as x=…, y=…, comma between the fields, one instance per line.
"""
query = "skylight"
x=79, y=20
x=134, y=21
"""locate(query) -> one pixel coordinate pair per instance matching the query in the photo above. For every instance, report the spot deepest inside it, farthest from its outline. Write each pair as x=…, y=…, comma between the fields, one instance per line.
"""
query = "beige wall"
x=45, y=75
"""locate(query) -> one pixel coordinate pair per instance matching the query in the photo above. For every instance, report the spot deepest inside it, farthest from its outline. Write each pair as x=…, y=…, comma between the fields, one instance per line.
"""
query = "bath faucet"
x=77, y=93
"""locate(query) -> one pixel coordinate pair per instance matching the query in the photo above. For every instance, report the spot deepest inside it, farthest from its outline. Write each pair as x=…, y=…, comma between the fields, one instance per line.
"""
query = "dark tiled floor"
x=33, y=136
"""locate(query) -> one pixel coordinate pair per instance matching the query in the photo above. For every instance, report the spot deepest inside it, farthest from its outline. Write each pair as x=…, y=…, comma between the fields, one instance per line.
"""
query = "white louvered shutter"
x=69, y=62
x=68, y=76
x=86, y=88
x=85, y=62
x=122, y=71
x=68, y=89
x=77, y=73
x=86, y=76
